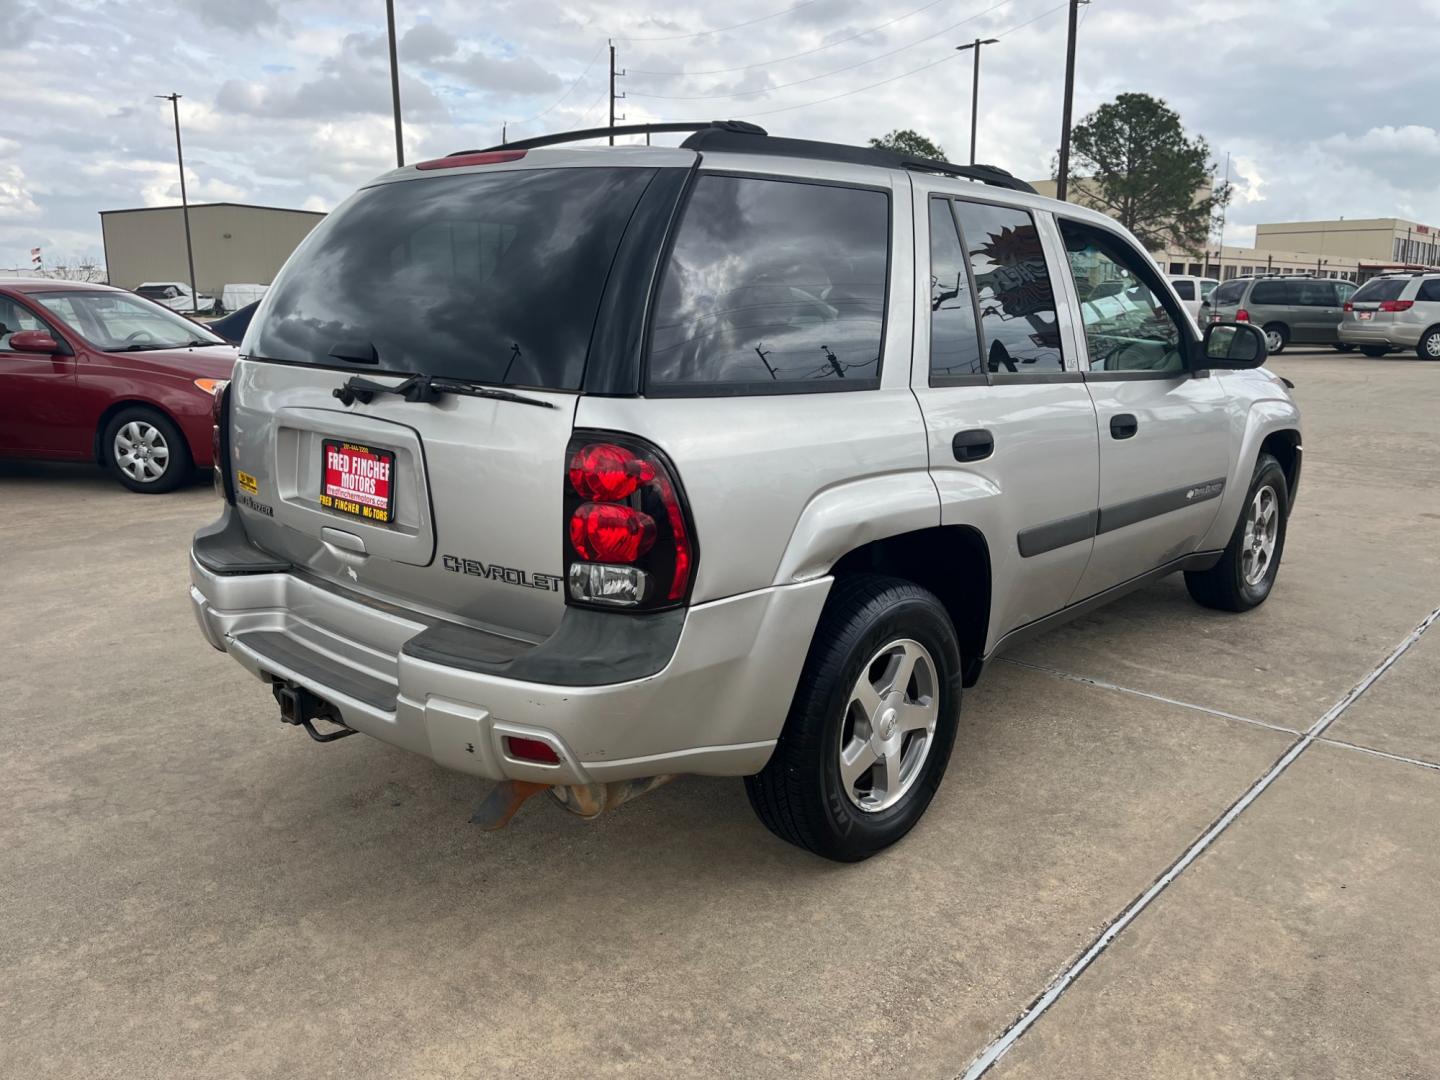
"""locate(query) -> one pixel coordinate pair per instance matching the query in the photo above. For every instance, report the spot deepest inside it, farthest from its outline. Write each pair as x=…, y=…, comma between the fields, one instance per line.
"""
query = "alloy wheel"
x=1262, y=527
x=889, y=725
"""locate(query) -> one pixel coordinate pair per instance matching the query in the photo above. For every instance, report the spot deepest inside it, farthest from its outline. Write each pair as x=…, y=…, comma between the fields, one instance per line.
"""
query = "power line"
x=894, y=78
x=568, y=90
x=796, y=56
x=826, y=75
x=724, y=29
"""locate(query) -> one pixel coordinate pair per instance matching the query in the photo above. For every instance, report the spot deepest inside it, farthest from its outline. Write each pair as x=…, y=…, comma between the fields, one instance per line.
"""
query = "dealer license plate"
x=358, y=480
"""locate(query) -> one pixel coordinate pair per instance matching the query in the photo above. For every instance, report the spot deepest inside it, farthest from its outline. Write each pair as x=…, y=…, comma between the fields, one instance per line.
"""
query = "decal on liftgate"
x=528, y=579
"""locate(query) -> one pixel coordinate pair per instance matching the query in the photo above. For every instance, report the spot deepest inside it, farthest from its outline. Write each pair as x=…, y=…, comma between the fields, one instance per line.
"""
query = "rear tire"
x=817, y=791
x=145, y=451
x=1245, y=574
x=1374, y=350
x=1428, y=347
x=1341, y=346
x=1277, y=336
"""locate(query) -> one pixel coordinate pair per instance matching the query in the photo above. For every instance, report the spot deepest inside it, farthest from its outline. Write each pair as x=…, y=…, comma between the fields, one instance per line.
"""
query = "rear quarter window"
x=772, y=286
x=1184, y=289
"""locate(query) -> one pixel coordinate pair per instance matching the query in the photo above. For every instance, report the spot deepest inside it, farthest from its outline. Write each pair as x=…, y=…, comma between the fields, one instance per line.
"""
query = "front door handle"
x=974, y=445
x=1123, y=425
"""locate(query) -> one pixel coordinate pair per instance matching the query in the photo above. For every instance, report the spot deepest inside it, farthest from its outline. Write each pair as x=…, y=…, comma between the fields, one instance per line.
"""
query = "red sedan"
x=91, y=373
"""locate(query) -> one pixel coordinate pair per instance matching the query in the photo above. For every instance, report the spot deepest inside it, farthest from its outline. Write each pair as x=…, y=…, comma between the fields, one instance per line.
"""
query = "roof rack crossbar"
x=561, y=137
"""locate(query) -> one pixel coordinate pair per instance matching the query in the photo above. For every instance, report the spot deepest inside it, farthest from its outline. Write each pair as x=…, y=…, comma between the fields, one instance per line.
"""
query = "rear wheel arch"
x=951, y=561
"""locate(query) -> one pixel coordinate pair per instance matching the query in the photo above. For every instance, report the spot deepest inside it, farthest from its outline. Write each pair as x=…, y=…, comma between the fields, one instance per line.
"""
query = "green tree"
x=910, y=142
x=1132, y=159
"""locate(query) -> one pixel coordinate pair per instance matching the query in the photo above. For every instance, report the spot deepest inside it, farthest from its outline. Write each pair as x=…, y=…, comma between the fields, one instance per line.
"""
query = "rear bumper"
x=1400, y=335
x=714, y=704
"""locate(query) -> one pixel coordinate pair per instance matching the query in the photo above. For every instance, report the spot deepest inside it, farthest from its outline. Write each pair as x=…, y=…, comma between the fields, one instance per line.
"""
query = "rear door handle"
x=974, y=445
x=1123, y=425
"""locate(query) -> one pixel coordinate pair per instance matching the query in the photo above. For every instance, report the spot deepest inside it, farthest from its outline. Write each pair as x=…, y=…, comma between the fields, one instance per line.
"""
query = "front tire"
x=871, y=726
x=145, y=451
x=1428, y=347
x=1277, y=336
x=1342, y=346
x=1245, y=574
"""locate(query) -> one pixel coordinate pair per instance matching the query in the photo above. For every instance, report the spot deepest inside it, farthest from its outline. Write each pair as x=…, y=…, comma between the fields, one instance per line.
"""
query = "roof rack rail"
x=737, y=136
x=623, y=129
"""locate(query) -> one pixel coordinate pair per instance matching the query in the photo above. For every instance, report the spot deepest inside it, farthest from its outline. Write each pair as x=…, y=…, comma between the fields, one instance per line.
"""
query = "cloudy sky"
x=1327, y=107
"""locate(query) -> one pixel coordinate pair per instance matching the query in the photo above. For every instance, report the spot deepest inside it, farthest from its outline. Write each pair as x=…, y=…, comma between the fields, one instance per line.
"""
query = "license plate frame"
x=370, y=494
x=1365, y=316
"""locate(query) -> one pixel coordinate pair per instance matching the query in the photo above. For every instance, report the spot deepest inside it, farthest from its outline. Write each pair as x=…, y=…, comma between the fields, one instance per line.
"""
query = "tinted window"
x=1229, y=293
x=1381, y=289
x=1275, y=292
x=773, y=285
x=1346, y=290
x=491, y=278
x=1208, y=287
x=954, y=346
x=1012, y=285
x=1184, y=289
x=1126, y=326
x=117, y=321
x=1429, y=290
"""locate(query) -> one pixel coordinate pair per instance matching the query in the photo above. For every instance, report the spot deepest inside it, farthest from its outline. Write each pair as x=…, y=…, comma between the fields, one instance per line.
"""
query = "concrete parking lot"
x=190, y=888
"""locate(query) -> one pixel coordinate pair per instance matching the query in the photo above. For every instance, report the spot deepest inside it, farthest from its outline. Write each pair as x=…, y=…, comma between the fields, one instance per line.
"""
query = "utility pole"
x=613, y=96
x=174, y=100
x=395, y=82
x=975, y=90
x=1062, y=182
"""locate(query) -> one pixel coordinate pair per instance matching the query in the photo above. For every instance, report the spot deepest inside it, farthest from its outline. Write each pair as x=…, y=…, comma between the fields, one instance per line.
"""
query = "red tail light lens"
x=605, y=532
x=219, y=440
x=1349, y=306
x=629, y=540
x=1242, y=315
x=1396, y=305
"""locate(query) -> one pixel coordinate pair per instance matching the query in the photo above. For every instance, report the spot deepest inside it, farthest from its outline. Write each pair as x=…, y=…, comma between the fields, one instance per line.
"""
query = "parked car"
x=1397, y=311
x=1193, y=291
x=1288, y=308
x=91, y=373
x=233, y=326
x=578, y=469
x=176, y=296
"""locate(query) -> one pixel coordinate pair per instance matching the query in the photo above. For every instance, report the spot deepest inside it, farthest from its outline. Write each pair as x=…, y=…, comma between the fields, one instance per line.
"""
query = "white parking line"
x=997, y=1049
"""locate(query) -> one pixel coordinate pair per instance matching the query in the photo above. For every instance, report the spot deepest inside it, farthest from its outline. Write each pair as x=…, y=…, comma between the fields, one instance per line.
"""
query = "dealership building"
x=234, y=243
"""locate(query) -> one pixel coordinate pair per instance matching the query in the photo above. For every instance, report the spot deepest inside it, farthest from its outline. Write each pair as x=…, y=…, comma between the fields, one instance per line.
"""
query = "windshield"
x=488, y=278
x=114, y=321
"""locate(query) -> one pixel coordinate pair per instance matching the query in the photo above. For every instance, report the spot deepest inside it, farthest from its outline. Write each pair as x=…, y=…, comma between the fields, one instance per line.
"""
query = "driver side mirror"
x=34, y=341
x=1232, y=345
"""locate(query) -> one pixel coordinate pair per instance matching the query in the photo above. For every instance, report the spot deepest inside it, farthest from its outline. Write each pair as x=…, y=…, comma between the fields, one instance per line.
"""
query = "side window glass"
x=1429, y=290
x=1184, y=289
x=773, y=286
x=1018, y=322
x=1126, y=326
x=954, y=346
x=13, y=319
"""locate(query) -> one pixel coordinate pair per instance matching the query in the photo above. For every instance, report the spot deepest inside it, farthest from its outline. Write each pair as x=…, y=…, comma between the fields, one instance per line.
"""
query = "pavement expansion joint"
x=1037, y=1008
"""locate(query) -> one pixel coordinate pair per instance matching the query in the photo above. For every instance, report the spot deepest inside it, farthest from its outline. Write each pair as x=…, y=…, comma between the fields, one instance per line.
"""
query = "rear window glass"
x=1184, y=289
x=1381, y=289
x=773, y=286
x=1229, y=293
x=488, y=278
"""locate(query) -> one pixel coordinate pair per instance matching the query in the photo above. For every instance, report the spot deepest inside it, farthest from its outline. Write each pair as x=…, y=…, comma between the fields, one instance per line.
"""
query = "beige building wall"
x=1371, y=240
x=233, y=244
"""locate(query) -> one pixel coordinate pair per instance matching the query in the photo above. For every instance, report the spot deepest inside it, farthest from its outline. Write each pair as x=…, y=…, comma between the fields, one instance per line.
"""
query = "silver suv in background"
x=1287, y=308
x=576, y=469
x=1397, y=311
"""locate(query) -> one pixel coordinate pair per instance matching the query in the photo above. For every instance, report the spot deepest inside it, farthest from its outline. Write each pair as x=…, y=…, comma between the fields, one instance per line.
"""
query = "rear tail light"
x=1396, y=305
x=1349, y=306
x=481, y=157
x=220, y=439
x=629, y=541
x=1242, y=315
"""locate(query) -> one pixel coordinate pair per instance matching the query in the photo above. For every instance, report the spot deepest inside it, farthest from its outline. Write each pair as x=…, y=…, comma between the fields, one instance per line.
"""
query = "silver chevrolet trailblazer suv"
x=577, y=469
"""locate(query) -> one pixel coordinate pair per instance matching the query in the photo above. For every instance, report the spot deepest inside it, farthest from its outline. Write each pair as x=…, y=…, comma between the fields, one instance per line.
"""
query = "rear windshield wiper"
x=426, y=389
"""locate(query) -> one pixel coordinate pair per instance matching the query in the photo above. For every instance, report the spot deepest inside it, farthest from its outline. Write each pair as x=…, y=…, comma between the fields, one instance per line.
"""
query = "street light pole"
x=174, y=100
x=395, y=82
x=975, y=90
x=1062, y=182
